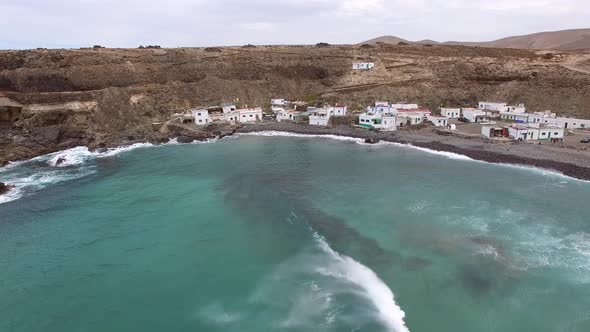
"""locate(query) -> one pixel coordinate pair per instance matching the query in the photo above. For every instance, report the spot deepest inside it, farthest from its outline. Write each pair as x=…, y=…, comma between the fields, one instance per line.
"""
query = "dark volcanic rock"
x=4, y=188
x=185, y=139
x=371, y=140
x=60, y=161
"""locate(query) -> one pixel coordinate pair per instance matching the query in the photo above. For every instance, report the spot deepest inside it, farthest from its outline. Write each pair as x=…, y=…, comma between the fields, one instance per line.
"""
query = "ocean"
x=275, y=232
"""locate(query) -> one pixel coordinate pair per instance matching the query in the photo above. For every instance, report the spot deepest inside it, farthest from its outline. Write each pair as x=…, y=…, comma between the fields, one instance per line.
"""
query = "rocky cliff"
x=54, y=99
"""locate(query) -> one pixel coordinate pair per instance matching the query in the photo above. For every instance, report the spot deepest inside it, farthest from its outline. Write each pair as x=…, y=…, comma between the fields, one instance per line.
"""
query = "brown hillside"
x=554, y=40
x=565, y=40
x=81, y=96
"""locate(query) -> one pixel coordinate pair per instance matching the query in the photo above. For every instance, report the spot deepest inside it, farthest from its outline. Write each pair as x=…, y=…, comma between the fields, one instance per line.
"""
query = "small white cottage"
x=363, y=66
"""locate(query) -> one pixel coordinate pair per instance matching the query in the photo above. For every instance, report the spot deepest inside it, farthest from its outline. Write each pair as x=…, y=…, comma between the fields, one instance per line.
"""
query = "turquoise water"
x=291, y=234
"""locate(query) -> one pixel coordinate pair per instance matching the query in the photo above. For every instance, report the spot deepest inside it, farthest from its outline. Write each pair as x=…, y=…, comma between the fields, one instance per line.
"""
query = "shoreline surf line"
x=447, y=154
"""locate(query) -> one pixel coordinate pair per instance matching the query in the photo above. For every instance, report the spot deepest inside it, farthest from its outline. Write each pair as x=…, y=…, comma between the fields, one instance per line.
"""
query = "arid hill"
x=53, y=99
x=565, y=40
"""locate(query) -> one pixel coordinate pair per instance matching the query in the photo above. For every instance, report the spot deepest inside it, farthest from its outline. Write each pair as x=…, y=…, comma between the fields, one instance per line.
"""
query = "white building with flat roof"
x=201, y=116
x=287, y=115
x=339, y=110
x=486, y=105
x=412, y=116
x=229, y=107
x=451, y=113
x=279, y=102
x=379, y=121
x=473, y=115
x=572, y=123
x=248, y=115
x=363, y=65
x=535, y=132
x=319, y=117
x=404, y=106
x=514, y=109
x=438, y=120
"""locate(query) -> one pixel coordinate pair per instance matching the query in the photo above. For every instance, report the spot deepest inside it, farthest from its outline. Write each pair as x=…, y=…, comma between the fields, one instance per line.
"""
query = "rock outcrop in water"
x=4, y=188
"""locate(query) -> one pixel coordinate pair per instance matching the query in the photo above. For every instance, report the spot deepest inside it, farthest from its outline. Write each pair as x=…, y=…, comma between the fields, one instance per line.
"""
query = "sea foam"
x=374, y=289
x=28, y=177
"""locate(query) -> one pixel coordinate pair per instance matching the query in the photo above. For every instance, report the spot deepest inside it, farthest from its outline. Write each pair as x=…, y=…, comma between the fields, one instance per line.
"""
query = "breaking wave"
x=361, y=141
x=37, y=173
x=29, y=176
x=273, y=133
x=320, y=288
x=346, y=268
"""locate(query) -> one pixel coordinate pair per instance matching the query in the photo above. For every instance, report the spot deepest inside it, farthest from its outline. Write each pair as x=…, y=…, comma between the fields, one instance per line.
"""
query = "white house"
x=247, y=115
x=287, y=115
x=550, y=132
x=535, y=132
x=279, y=102
x=451, y=113
x=518, y=132
x=376, y=120
x=516, y=117
x=339, y=110
x=536, y=118
x=319, y=117
x=473, y=115
x=231, y=117
x=514, y=109
x=438, y=121
x=276, y=109
x=201, y=116
x=404, y=106
x=363, y=66
x=380, y=107
x=411, y=116
x=228, y=108
x=486, y=105
x=571, y=123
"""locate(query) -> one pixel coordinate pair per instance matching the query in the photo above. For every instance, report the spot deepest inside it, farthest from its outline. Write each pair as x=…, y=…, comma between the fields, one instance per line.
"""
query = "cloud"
x=128, y=23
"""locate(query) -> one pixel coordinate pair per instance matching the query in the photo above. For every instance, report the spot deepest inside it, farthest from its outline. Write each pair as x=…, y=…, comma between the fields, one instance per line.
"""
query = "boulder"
x=60, y=161
x=184, y=139
x=5, y=188
x=371, y=140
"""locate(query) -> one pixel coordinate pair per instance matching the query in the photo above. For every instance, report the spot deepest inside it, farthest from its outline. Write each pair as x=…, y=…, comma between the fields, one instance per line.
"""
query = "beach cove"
x=292, y=233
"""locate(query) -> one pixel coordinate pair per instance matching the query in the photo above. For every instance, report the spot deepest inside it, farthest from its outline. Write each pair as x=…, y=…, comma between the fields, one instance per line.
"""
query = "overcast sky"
x=171, y=23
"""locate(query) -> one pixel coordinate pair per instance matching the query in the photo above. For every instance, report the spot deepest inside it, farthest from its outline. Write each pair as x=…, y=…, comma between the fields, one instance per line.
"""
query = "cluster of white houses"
x=387, y=117
x=224, y=113
x=487, y=111
x=526, y=127
x=292, y=111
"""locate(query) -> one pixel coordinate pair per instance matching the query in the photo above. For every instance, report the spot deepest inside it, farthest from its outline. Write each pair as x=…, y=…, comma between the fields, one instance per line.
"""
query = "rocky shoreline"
x=572, y=163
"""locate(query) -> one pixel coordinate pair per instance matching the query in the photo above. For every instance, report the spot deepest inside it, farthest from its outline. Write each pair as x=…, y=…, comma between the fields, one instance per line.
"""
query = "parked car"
x=585, y=140
x=463, y=119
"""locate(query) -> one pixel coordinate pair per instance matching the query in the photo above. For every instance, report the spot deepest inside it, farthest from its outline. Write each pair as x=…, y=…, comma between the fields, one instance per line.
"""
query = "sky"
x=191, y=23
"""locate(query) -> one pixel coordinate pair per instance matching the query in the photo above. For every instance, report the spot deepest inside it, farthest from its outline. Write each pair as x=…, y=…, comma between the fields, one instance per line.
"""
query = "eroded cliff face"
x=96, y=97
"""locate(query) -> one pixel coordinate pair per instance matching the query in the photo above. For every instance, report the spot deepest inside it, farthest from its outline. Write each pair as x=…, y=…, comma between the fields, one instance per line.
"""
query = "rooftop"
x=413, y=110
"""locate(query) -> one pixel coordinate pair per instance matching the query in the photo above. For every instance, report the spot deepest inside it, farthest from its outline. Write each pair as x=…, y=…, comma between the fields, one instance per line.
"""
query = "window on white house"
x=200, y=120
